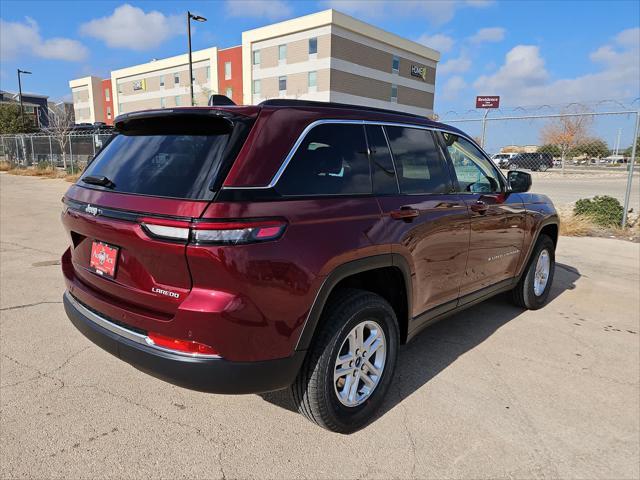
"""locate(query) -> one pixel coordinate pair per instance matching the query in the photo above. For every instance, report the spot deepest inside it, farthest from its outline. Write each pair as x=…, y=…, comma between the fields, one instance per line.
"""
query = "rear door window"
x=418, y=162
x=331, y=160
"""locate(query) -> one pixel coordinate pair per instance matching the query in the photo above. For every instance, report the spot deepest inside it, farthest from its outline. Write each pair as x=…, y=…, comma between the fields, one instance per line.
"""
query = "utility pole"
x=20, y=93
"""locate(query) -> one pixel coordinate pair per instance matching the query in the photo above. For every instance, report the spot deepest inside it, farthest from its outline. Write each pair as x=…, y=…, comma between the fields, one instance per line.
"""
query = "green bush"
x=604, y=210
x=43, y=166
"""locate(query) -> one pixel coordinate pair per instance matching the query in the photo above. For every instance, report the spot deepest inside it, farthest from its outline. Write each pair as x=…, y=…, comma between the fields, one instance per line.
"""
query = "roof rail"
x=310, y=103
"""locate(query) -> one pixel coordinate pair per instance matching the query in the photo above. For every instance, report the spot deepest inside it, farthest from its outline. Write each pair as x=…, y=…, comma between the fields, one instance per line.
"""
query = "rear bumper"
x=214, y=375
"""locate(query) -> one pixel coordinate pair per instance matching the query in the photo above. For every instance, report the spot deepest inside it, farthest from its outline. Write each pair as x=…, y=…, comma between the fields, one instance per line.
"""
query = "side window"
x=382, y=170
x=331, y=160
x=475, y=173
x=420, y=167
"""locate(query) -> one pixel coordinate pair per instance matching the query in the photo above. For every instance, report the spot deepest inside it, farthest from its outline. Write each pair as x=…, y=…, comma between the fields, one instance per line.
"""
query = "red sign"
x=103, y=259
x=487, y=102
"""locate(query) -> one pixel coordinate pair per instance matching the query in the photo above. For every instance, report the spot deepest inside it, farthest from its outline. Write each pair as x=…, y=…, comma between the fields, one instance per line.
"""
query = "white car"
x=502, y=159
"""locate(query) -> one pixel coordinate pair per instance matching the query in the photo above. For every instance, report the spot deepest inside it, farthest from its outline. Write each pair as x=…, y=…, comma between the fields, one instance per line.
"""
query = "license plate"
x=104, y=258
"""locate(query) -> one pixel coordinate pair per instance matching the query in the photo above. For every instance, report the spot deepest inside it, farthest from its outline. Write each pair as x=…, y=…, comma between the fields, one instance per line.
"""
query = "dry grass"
x=575, y=225
x=72, y=177
x=5, y=166
x=581, y=226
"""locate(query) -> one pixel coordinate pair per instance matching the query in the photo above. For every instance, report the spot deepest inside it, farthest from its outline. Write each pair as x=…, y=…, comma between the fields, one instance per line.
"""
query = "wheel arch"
x=367, y=273
x=549, y=226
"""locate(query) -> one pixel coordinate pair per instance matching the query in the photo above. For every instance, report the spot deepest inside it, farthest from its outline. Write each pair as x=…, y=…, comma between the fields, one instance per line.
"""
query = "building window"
x=120, y=108
x=394, y=93
x=282, y=53
x=229, y=92
x=162, y=81
x=208, y=73
x=256, y=57
x=313, y=79
x=176, y=78
x=227, y=70
x=313, y=45
x=119, y=88
x=109, y=112
x=395, y=64
x=282, y=84
x=177, y=99
x=162, y=102
x=256, y=87
x=107, y=94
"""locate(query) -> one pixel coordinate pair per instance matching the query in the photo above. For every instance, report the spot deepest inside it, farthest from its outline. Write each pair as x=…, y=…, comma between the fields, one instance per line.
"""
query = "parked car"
x=534, y=161
x=292, y=244
x=502, y=159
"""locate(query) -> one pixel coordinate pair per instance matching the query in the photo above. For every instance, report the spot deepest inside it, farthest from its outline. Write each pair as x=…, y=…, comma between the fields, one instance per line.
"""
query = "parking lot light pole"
x=630, y=165
x=20, y=93
x=197, y=18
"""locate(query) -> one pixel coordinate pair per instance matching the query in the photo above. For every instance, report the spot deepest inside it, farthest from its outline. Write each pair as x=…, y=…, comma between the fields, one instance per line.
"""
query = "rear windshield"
x=174, y=163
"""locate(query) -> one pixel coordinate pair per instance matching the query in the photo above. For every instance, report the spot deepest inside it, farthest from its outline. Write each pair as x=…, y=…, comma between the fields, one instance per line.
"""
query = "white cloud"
x=453, y=87
x=269, y=9
x=437, y=12
x=17, y=39
x=524, y=80
x=130, y=27
x=439, y=41
x=459, y=64
x=493, y=34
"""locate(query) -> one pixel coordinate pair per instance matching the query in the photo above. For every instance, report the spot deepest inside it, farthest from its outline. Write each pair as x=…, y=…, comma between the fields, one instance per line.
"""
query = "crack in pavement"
x=27, y=305
x=28, y=248
x=40, y=373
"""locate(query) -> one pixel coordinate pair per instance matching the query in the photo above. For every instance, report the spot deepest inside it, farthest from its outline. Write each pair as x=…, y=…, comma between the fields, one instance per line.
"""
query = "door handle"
x=479, y=207
x=405, y=213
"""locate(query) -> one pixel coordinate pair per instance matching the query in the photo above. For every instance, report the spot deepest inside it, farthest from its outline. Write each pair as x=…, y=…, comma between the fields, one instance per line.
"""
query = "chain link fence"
x=71, y=151
x=574, y=151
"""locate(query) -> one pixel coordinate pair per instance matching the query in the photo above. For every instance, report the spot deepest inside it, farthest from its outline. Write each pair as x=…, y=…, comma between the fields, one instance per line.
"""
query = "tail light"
x=214, y=233
x=180, y=346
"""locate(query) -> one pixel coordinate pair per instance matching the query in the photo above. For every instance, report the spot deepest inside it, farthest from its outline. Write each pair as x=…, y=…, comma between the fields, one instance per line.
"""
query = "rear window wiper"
x=98, y=180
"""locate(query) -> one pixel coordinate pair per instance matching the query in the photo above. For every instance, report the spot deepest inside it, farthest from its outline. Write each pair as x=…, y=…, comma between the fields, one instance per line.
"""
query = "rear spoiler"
x=175, y=121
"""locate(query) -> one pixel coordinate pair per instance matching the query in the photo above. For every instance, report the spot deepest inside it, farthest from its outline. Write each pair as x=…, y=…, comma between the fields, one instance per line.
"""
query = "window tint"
x=331, y=160
x=180, y=166
x=418, y=163
x=475, y=173
x=384, y=175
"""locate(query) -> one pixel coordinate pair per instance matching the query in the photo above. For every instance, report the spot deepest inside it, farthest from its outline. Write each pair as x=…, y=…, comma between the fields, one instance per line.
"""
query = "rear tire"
x=533, y=288
x=513, y=166
x=318, y=391
x=543, y=167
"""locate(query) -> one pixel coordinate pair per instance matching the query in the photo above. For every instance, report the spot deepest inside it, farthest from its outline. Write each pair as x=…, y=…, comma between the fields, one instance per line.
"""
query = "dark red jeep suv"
x=292, y=244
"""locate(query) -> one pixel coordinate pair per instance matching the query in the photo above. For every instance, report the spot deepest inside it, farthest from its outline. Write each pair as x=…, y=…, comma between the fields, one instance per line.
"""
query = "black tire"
x=543, y=167
x=513, y=166
x=524, y=294
x=313, y=391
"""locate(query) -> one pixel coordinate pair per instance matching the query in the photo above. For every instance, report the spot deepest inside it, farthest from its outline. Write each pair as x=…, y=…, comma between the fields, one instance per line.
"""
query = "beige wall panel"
x=416, y=98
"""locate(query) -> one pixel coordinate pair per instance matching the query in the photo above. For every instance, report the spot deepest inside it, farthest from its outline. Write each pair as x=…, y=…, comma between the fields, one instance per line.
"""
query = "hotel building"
x=326, y=56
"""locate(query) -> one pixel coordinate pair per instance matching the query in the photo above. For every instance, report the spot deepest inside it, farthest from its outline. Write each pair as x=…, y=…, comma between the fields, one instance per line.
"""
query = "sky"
x=528, y=52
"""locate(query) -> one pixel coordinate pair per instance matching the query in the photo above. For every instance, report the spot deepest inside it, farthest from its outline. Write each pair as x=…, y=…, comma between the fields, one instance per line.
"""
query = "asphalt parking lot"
x=492, y=392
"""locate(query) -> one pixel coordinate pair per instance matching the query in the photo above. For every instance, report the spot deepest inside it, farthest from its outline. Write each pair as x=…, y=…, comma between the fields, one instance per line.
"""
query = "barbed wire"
x=595, y=106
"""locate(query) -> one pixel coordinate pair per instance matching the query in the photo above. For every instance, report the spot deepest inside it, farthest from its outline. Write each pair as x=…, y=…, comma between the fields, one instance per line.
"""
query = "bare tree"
x=567, y=132
x=60, y=126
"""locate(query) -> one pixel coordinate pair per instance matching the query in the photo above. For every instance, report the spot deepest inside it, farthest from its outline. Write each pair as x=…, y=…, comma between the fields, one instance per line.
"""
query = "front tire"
x=533, y=288
x=350, y=364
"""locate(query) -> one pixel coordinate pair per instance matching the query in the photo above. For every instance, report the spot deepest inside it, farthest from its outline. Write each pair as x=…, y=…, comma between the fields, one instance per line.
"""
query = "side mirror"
x=519, y=182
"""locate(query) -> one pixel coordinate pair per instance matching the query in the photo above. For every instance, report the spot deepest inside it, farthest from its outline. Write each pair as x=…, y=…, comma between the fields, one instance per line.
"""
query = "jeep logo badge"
x=91, y=210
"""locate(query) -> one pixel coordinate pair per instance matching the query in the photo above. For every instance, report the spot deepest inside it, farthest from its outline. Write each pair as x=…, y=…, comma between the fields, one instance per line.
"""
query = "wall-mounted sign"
x=487, y=102
x=418, y=71
x=139, y=85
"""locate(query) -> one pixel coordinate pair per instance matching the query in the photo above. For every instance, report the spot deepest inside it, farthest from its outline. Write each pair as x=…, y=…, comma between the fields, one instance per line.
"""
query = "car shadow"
x=438, y=346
